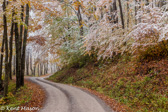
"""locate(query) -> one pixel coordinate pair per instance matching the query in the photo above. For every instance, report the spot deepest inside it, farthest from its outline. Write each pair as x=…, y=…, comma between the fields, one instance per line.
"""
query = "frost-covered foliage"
x=153, y=27
x=105, y=34
x=108, y=39
x=104, y=39
x=103, y=31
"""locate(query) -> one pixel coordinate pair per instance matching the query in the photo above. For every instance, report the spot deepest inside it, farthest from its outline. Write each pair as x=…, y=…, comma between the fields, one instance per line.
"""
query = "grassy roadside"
x=23, y=95
x=143, y=87
x=29, y=97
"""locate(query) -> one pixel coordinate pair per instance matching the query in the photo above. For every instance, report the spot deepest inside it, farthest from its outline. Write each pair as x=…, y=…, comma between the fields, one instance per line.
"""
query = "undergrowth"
x=139, y=83
x=154, y=52
x=15, y=98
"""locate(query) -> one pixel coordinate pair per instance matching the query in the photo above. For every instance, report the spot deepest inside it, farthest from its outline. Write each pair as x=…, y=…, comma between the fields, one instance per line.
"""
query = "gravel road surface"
x=66, y=98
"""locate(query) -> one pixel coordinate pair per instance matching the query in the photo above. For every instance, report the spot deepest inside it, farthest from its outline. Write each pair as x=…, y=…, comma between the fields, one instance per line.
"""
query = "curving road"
x=65, y=98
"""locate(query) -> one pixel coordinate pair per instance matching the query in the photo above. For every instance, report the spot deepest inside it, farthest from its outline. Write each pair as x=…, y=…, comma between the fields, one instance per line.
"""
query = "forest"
x=116, y=47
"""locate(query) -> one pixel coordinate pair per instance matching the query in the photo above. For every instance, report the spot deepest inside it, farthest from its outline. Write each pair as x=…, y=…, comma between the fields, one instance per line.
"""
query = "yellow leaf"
x=29, y=4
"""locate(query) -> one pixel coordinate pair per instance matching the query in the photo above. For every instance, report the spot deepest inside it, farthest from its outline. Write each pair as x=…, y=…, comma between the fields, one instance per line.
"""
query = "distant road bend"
x=65, y=98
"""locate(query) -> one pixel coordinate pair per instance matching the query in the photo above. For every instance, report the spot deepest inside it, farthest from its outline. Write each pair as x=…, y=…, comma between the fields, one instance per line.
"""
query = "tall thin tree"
x=1, y=63
x=79, y=15
x=6, y=49
x=121, y=14
x=24, y=45
x=18, y=56
x=11, y=47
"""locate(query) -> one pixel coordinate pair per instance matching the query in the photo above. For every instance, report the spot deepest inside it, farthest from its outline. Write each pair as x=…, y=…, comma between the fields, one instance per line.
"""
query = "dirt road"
x=65, y=98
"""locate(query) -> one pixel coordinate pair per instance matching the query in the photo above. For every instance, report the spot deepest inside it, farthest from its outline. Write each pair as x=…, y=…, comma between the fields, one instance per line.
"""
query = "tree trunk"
x=113, y=12
x=31, y=66
x=161, y=3
x=1, y=64
x=141, y=9
x=38, y=70
x=24, y=46
x=11, y=48
x=80, y=20
x=47, y=68
x=41, y=69
x=121, y=14
x=27, y=64
x=14, y=65
x=135, y=12
x=21, y=26
x=34, y=73
x=6, y=49
x=128, y=14
x=44, y=64
x=101, y=13
x=18, y=57
x=51, y=68
x=20, y=47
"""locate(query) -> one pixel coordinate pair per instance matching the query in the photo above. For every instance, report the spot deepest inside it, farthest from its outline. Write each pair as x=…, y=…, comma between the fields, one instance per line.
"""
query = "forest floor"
x=28, y=98
x=126, y=85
